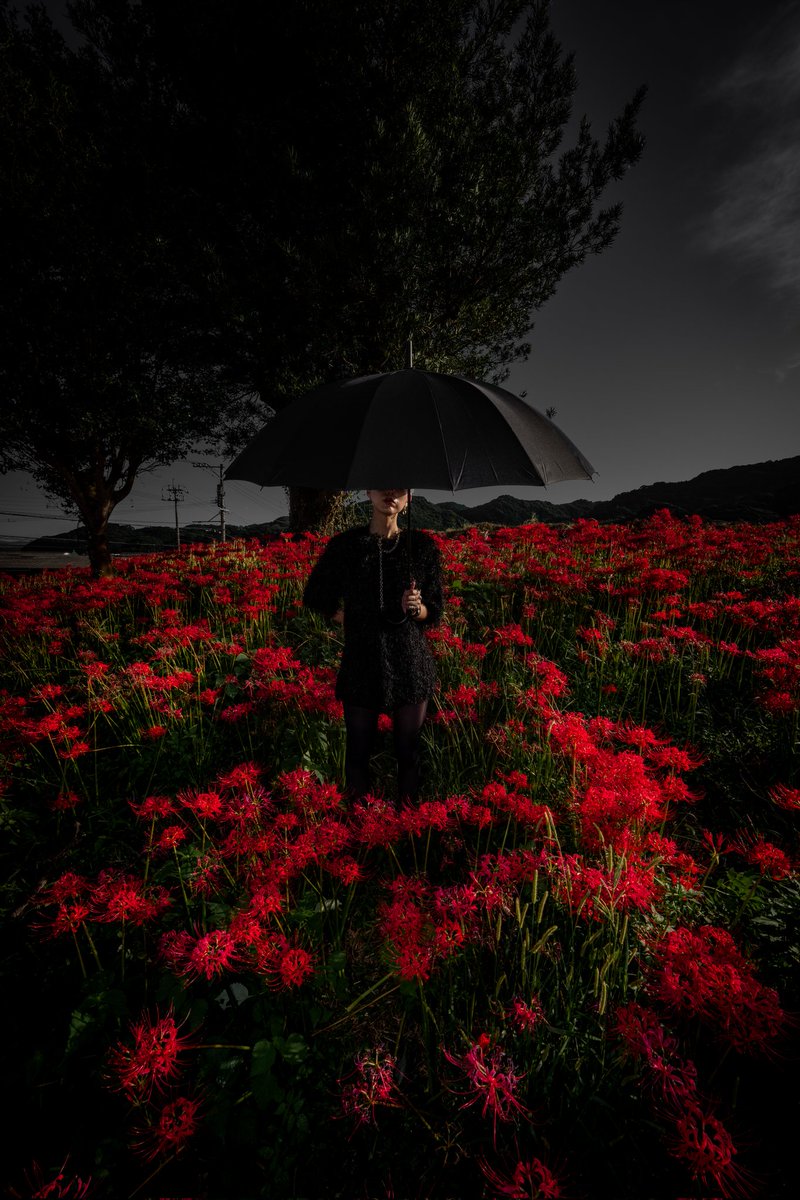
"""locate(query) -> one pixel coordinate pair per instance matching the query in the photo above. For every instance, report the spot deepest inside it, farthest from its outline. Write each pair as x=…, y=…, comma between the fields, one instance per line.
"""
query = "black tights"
x=362, y=725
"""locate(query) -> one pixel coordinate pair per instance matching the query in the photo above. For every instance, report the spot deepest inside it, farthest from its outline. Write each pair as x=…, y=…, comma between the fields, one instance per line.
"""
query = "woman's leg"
x=361, y=725
x=408, y=722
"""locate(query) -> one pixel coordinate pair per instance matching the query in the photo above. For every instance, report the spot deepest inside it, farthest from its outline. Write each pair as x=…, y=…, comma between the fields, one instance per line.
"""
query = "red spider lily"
x=785, y=797
x=152, y=1061
x=501, y=874
x=70, y=894
x=592, y=891
x=700, y=1140
x=47, y=691
x=680, y=864
x=373, y=1084
x=459, y=902
x=511, y=635
x=66, y=887
x=552, y=681
x=293, y=967
x=76, y=750
x=307, y=793
x=235, y=712
x=170, y=838
x=430, y=814
x=205, y=879
x=779, y=666
x=58, y=1187
x=243, y=776
x=525, y=1016
x=673, y=758
x=493, y=1082
x=461, y=699
x=65, y=802
x=496, y=879
x=671, y=1078
x=203, y=957
x=375, y=822
x=424, y=926
x=345, y=868
x=446, y=938
x=153, y=733
x=701, y=973
x=269, y=659
x=717, y=843
x=520, y=807
x=530, y=1180
x=120, y=897
x=569, y=733
x=770, y=859
x=414, y=961
x=284, y=963
x=171, y=1130
x=595, y=638
x=620, y=793
x=407, y=926
x=205, y=805
x=96, y=669
x=154, y=806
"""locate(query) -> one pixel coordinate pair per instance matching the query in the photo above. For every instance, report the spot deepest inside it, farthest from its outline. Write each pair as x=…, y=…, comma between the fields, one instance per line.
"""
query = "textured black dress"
x=386, y=661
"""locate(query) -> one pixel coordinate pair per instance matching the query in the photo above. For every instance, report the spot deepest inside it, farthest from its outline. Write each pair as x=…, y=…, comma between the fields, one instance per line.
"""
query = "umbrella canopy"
x=409, y=428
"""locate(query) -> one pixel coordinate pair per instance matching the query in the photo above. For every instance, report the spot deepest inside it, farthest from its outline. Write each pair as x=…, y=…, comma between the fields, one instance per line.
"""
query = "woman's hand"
x=338, y=616
x=412, y=603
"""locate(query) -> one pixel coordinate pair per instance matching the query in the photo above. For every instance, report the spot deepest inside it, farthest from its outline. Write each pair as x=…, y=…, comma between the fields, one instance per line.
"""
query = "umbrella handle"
x=408, y=539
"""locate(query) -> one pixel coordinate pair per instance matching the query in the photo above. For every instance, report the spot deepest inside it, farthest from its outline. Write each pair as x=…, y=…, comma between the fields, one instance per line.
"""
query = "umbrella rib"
x=442, y=438
x=340, y=435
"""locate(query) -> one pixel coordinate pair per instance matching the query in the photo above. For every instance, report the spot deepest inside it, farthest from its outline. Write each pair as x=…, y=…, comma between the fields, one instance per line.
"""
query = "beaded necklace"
x=381, y=553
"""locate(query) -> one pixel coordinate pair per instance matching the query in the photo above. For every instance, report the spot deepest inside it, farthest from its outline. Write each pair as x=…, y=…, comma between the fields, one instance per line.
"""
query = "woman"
x=361, y=581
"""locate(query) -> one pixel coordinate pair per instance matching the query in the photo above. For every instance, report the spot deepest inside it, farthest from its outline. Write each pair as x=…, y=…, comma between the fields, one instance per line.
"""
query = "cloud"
x=783, y=372
x=769, y=70
x=755, y=221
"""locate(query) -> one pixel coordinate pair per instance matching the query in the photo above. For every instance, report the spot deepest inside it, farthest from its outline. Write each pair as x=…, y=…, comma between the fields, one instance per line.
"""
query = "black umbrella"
x=409, y=427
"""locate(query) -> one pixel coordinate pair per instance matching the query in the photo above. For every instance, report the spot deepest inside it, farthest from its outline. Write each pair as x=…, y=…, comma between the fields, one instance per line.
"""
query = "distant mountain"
x=757, y=492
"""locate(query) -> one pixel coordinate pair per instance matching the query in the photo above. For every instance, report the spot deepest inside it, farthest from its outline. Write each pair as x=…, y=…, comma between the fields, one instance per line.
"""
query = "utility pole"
x=175, y=493
x=220, y=498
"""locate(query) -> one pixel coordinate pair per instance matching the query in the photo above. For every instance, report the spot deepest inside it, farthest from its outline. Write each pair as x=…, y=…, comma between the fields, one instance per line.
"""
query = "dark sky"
x=678, y=349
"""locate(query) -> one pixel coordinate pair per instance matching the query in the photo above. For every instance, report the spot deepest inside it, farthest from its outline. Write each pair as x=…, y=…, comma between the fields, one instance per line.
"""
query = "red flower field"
x=571, y=971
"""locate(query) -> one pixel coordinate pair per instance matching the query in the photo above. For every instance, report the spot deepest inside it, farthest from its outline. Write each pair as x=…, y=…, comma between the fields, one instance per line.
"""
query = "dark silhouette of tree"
x=104, y=370
x=334, y=178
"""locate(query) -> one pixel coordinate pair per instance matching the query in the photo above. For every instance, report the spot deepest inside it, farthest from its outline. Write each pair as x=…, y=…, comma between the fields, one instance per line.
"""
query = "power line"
x=35, y=516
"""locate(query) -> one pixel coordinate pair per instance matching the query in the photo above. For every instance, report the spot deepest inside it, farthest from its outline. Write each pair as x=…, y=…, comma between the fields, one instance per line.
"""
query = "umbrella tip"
x=410, y=353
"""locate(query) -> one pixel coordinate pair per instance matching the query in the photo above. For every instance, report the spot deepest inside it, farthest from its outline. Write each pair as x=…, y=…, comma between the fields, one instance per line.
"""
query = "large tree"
x=107, y=365
x=359, y=172
x=377, y=169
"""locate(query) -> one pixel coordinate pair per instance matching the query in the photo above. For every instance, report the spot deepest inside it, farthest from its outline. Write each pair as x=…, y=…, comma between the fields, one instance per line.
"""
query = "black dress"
x=387, y=662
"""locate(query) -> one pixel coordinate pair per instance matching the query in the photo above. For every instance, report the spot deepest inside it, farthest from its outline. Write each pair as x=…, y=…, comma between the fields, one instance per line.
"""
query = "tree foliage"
x=376, y=169
x=261, y=198
x=105, y=368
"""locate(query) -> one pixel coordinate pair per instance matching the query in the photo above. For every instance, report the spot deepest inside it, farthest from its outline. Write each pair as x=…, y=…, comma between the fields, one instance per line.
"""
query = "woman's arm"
x=325, y=584
x=428, y=569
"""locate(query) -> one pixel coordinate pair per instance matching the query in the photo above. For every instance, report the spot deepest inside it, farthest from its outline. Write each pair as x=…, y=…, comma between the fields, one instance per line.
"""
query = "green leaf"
x=263, y=1084
x=293, y=1048
x=80, y=1022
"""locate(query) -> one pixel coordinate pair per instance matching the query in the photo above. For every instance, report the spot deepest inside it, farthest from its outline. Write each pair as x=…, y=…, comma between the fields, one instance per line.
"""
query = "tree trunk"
x=96, y=505
x=99, y=550
x=310, y=509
